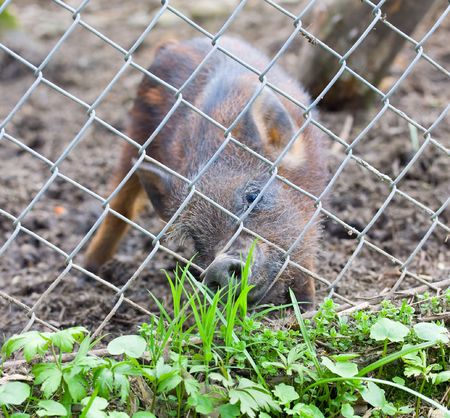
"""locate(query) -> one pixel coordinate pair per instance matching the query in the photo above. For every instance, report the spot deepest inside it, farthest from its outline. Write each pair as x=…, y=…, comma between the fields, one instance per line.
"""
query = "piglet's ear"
x=273, y=119
x=158, y=184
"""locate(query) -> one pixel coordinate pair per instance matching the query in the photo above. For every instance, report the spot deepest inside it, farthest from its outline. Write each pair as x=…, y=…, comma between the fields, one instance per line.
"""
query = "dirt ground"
x=84, y=65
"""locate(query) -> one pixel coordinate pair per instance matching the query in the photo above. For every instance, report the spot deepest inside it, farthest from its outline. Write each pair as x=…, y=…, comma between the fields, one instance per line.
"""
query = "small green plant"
x=207, y=354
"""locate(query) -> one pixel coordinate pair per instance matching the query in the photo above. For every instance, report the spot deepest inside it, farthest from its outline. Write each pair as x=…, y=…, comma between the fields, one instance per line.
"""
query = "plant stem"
x=418, y=401
x=394, y=356
x=89, y=404
x=180, y=397
x=154, y=398
x=444, y=362
x=380, y=370
x=5, y=411
x=55, y=356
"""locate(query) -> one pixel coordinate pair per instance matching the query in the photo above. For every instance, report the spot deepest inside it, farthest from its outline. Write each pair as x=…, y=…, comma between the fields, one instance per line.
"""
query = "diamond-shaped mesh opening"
x=400, y=228
x=136, y=16
x=63, y=214
x=83, y=73
x=134, y=249
x=423, y=83
x=19, y=78
x=426, y=180
x=93, y=298
x=370, y=275
x=98, y=149
x=432, y=261
x=27, y=175
x=119, y=95
x=41, y=26
x=31, y=268
x=356, y=195
x=15, y=318
x=47, y=132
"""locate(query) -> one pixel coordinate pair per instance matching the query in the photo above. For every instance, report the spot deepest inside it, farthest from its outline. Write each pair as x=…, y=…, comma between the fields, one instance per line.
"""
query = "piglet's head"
x=253, y=198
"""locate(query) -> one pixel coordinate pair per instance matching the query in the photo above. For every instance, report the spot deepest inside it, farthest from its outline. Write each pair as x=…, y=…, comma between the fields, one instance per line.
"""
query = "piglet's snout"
x=221, y=270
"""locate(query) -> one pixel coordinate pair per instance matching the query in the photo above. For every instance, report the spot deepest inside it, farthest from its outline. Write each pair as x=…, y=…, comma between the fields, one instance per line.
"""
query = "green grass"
x=207, y=355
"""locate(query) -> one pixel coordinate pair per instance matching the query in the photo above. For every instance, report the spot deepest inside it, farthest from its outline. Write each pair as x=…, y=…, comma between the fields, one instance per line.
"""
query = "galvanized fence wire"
x=307, y=110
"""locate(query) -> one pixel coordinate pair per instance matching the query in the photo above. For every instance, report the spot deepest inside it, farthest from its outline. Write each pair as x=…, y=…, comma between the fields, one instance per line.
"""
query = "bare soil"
x=84, y=65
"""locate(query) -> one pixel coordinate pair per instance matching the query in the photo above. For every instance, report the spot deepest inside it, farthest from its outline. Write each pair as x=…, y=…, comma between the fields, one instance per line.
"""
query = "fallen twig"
x=15, y=377
x=13, y=364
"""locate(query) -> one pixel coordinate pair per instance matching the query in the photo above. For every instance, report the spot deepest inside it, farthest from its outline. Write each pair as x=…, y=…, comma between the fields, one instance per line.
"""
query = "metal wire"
x=306, y=109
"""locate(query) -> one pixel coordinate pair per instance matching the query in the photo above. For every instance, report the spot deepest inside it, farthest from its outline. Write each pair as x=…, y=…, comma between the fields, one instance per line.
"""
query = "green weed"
x=207, y=355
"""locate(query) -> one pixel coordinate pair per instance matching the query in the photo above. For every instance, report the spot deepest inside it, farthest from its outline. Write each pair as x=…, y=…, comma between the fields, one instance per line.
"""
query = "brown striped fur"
x=221, y=89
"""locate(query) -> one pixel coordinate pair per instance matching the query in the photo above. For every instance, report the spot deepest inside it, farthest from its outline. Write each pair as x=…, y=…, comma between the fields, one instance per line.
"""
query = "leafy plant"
x=206, y=354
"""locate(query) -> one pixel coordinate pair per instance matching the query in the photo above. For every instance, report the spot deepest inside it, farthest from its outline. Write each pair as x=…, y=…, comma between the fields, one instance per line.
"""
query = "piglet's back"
x=220, y=89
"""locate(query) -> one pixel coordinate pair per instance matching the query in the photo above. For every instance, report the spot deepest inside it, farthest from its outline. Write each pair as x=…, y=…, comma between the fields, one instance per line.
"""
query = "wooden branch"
x=443, y=284
x=14, y=364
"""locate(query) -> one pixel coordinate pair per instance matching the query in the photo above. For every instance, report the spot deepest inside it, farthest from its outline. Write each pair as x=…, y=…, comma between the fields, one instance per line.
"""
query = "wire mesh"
x=331, y=284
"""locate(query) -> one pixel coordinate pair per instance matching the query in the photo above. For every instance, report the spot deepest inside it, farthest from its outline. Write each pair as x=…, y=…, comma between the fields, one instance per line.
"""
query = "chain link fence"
x=406, y=275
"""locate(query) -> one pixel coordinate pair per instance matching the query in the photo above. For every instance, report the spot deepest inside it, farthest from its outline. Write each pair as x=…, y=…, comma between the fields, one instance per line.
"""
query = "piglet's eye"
x=251, y=197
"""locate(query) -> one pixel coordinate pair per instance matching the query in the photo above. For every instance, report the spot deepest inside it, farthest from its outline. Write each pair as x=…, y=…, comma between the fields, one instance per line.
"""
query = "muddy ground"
x=84, y=65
